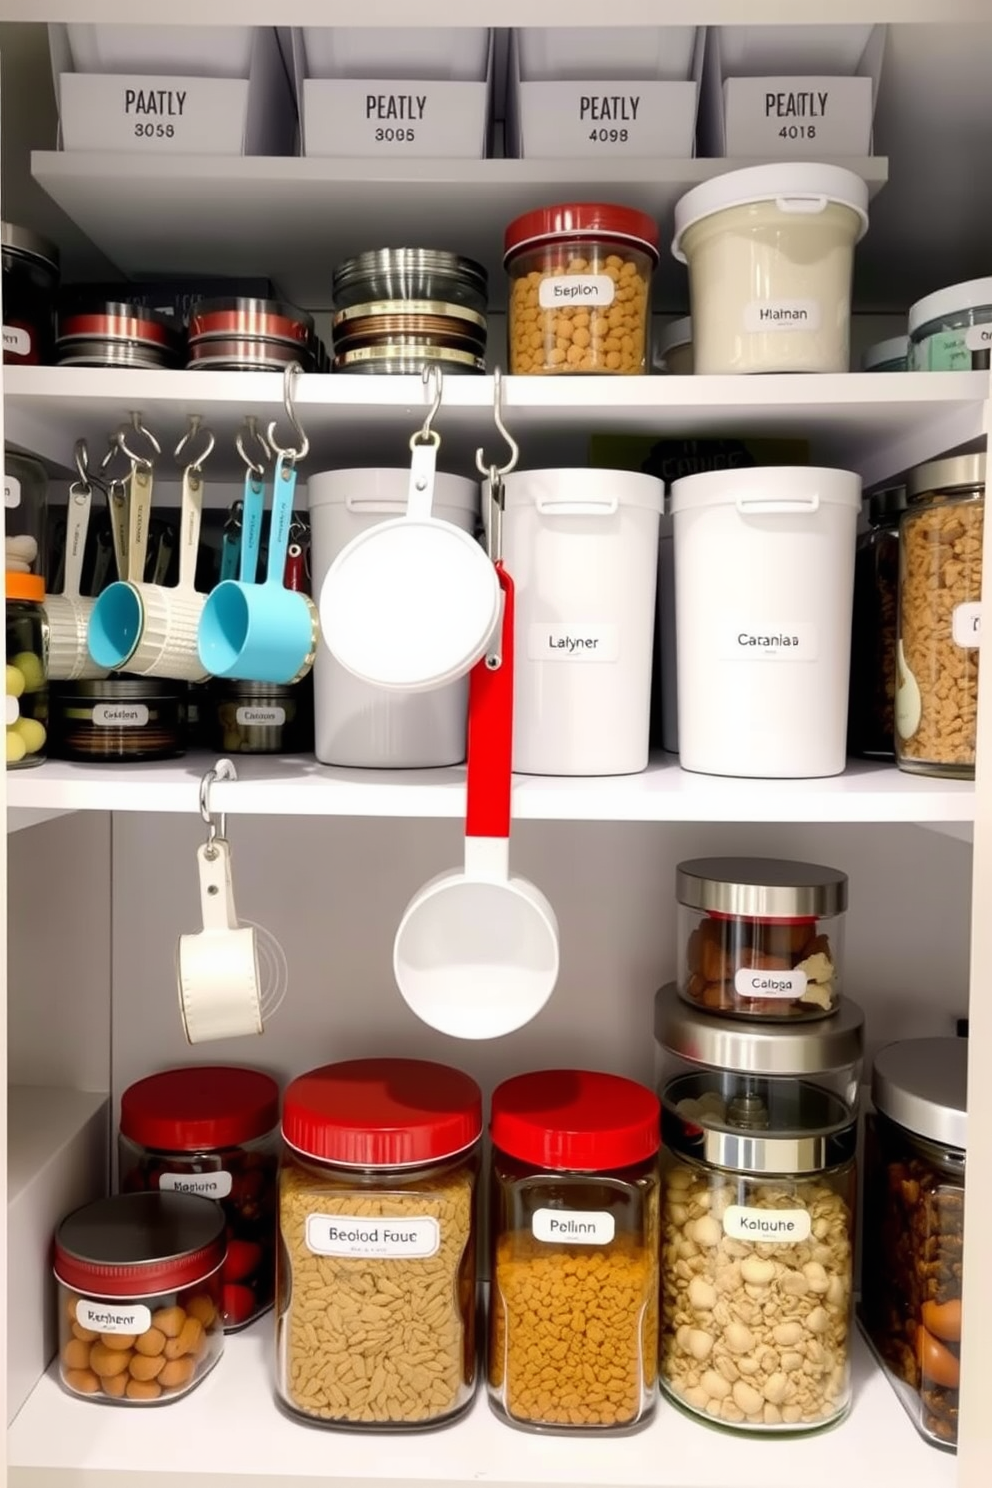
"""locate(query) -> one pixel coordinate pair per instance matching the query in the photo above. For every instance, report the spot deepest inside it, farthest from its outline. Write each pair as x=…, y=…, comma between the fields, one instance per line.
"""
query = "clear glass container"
x=940, y=590
x=212, y=1130
x=27, y=666
x=914, y=1227
x=122, y=718
x=573, y=1311
x=951, y=331
x=30, y=284
x=759, y=937
x=580, y=289
x=871, y=711
x=261, y=718
x=759, y=1130
x=139, y=1297
x=25, y=495
x=887, y=356
x=377, y=1237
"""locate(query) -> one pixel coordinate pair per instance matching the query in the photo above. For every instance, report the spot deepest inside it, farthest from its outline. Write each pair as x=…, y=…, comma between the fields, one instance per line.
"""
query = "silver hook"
x=433, y=380
x=254, y=467
x=108, y=460
x=86, y=480
x=196, y=426
x=480, y=458
x=138, y=427
x=293, y=370
x=223, y=770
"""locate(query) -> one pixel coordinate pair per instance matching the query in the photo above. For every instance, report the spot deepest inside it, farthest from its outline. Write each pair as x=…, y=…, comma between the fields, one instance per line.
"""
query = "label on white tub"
x=766, y=1226
x=788, y=985
x=742, y=642
x=11, y=492
x=344, y=1235
x=979, y=337
x=782, y=315
x=208, y=1185
x=573, y=1226
x=578, y=642
x=966, y=624
x=108, y=1317
x=260, y=717
x=120, y=715
x=575, y=289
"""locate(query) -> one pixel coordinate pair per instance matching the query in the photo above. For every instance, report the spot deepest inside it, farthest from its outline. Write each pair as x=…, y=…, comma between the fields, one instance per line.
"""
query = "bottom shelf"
x=229, y=1432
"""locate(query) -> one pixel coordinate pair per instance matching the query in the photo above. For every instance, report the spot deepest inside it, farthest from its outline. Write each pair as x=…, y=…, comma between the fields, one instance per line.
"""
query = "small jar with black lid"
x=30, y=284
x=118, y=719
x=139, y=1297
x=871, y=723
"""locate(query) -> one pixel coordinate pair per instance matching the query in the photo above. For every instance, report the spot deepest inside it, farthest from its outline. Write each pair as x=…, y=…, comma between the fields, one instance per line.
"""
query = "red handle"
x=295, y=574
x=490, y=733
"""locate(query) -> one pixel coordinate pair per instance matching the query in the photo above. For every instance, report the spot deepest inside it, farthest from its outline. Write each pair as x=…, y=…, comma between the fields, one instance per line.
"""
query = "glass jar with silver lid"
x=759, y=1132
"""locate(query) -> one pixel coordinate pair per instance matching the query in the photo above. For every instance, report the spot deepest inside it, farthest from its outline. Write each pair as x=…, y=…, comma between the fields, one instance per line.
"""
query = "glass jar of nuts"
x=580, y=289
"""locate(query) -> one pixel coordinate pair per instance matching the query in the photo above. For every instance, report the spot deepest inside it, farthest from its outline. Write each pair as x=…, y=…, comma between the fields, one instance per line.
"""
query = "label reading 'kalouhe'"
x=120, y=715
x=209, y=1185
x=573, y=1226
x=788, y=985
x=559, y=290
x=404, y=1239
x=766, y=1226
x=111, y=1317
x=787, y=641
x=575, y=642
x=782, y=315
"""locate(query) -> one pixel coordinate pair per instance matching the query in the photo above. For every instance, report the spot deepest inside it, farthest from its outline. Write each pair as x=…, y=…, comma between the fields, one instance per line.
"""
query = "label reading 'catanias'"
x=110, y=1317
x=782, y=315
x=209, y=1185
x=573, y=1226
x=575, y=289
x=749, y=982
x=405, y=1239
x=120, y=715
x=792, y=641
x=766, y=1226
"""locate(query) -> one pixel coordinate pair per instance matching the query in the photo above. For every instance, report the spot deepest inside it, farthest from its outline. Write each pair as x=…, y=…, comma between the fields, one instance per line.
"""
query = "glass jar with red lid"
x=213, y=1130
x=573, y=1313
x=580, y=289
x=139, y=1287
x=376, y=1276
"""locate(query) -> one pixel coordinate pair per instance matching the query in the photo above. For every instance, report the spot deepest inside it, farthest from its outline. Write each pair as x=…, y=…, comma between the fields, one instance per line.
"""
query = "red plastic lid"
x=140, y=1245
x=576, y=1120
x=581, y=220
x=200, y=1108
x=382, y=1113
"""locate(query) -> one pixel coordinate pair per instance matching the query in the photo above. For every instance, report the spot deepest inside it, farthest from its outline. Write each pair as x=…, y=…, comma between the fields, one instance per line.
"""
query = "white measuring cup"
x=69, y=613
x=476, y=953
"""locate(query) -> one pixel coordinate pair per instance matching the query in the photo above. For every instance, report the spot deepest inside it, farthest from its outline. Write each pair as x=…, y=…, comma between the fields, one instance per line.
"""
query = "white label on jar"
x=966, y=624
x=575, y=289
x=576, y=642
x=766, y=1226
x=749, y=982
x=13, y=710
x=11, y=492
x=793, y=642
x=120, y=715
x=16, y=340
x=573, y=1226
x=210, y=1185
x=261, y=717
x=782, y=315
x=108, y=1317
x=978, y=338
x=341, y=1235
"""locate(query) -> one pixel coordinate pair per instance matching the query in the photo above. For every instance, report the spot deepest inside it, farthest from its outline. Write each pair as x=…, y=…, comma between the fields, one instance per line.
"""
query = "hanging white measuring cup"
x=476, y=952
x=117, y=618
x=69, y=613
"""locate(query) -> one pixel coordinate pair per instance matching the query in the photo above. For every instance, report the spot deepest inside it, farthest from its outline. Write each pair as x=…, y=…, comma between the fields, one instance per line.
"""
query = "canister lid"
x=140, y=1245
x=922, y=1084
x=382, y=1113
x=761, y=888
x=946, y=475
x=793, y=185
x=254, y=691
x=410, y=273
x=754, y=490
x=758, y=1048
x=24, y=586
x=200, y=1108
x=895, y=349
x=121, y=689
x=582, y=220
x=974, y=294
x=886, y=504
x=32, y=244
x=676, y=333
x=576, y=1120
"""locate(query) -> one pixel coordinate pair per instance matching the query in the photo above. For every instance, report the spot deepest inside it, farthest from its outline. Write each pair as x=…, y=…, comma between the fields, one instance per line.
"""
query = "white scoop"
x=69, y=613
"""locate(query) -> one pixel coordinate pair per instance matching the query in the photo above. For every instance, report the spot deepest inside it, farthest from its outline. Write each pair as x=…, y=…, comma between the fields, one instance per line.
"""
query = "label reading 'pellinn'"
x=766, y=1226
x=401, y=1238
x=782, y=315
x=208, y=1185
x=120, y=715
x=573, y=1226
x=109, y=1317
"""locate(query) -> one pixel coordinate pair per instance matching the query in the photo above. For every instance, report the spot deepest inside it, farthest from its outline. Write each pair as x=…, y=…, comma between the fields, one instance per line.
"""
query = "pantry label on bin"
x=787, y=985
x=767, y=641
x=120, y=715
x=590, y=120
x=576, y=642
x=153, y=115
x=766, y=1226
x=434, y=120
x=781, y=117
x=108, y=1317
x=573, y=1226
x=966, y=624
x=207, y=1185
x=360, y=1236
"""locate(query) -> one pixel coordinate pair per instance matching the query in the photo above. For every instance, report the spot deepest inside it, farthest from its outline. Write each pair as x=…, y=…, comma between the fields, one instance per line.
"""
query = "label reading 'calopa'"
x=573, y=1226
x=577, y=642
x=340, y=1235
x=771, y=642
x=559, y=290
x=766, y=1226
x=120, y=715
x=749, y=982
x=106, y=1317
x=208, y=1185
x=782, y=315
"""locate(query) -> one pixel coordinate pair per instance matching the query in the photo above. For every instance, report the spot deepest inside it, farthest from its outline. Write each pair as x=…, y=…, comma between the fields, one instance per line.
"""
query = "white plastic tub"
x=582, y=549
x=555, y=54
x=764, y=585
x=458, y=54
x=163, y=51
x=770, y=252
x=951, y=331
x=355, y=723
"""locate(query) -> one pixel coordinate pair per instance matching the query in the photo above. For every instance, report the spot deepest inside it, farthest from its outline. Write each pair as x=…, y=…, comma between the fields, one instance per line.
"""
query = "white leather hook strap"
x=189, y=526
x=77, y=526
x=218, y=970
x=139, y=516
x=423, y=467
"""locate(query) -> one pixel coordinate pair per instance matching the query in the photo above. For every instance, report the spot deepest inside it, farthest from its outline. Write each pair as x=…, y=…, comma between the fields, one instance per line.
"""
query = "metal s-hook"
x=223, y=770
x=293, y=370
x=138, y=426
x=485, y=467
x=433, y=379
x=86, y=480
x=107, y=478
x=255, y=467
x=196, y=426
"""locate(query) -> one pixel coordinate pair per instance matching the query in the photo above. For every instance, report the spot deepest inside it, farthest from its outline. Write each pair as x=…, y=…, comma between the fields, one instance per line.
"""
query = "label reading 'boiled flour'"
x=109, y=1317
x=966, y=625
x=782, y=315
x=575, y=289
x=209, y=1185
x=340, y=1235
x=573, y=1226
x=120, y=715
x=979, y=337
x=261, y=717
x=766, y=1226
x=576, y=642
x=749, y=982
x=792, y=642
x=11, y=492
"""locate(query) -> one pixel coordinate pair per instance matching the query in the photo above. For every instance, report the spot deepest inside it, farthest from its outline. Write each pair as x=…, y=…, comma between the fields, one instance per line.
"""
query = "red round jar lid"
x=581, y=220
x=140, y=1245
x=200, y=1108
x=576, y=1120
x=382, y=1113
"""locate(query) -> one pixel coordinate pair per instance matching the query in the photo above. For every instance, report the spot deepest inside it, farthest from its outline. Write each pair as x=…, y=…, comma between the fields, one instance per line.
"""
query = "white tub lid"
x=676, y=333
x=976, y=294
x=762, y=488
x=576, y=493
x=895, y=349
x=788, y=181
x=361, y=487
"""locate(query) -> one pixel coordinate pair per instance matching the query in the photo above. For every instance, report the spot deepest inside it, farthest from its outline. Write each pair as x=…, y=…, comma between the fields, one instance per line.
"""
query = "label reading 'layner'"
x=575, y=642
x=342, y=1235
x=766, y=1226
x=573, y=1226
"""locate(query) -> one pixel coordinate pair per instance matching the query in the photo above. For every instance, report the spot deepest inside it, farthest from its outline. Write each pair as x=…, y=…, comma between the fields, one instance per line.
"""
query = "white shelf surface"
x=297, y=786
x=228, y=1432
x=41, y=1121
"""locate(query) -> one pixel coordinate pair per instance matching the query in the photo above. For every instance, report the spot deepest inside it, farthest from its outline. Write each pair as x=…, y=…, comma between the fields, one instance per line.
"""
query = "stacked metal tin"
x=402, y=309
x=116, y=333
x=252, y=335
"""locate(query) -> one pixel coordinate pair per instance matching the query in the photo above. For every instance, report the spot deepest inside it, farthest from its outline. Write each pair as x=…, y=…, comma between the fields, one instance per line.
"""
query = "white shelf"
x=297, y=786
x=42, y=1121
x=230, y=1427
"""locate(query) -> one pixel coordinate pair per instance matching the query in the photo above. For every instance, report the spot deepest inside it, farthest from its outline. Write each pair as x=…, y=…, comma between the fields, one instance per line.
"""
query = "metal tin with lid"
x=30, y=282
x=118, y=718
x=922, y=1085
x=411, y=274
x=260, y=717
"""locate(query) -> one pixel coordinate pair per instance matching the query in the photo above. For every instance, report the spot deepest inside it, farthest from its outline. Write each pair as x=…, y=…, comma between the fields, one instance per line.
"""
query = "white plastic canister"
x=355, y=723
x=770, y=251
x=764, y=586
x=582, y=549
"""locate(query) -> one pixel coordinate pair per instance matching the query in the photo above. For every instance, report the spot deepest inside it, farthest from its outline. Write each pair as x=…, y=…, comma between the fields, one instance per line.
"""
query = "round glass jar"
x=580, y=289
x=759, y=937
x=27, y=664
x=260, y=717
x=573, y=1310
x=25, y=495
x=377, y=1217
x=951, y=331
x=759, y=1131
x=887, y=356
x=119, y=719
x=212, y=1130
x=915, y=1149
x=139, y=1297
x=940, y=591
x=30, y=284
x=871, y=709
x=673, y=350
x=410, y=274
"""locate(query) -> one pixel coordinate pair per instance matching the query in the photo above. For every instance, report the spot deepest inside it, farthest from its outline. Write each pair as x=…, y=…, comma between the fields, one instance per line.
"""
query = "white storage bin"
x=668, y=665
x=764, y=584
x=582, y=549
x=770, y=251
x=556, y=54
x=163, y=51
x=355, y=723
x=457, y=54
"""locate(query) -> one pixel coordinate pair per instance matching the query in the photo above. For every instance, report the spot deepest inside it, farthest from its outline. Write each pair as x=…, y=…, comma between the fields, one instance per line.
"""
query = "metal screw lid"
x=758, y=1048
x=31, y=244
x=886, y=505
x=761, y=888
x=946, y=475
x=922, y=1084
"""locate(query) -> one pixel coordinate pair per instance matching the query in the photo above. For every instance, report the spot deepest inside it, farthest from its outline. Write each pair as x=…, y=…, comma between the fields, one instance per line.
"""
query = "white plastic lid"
x=895, y=349
x=976, y=294
x=571, y=490
x=676, y=333
x=765, y=486
x=787, y=182
x=387, y=483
